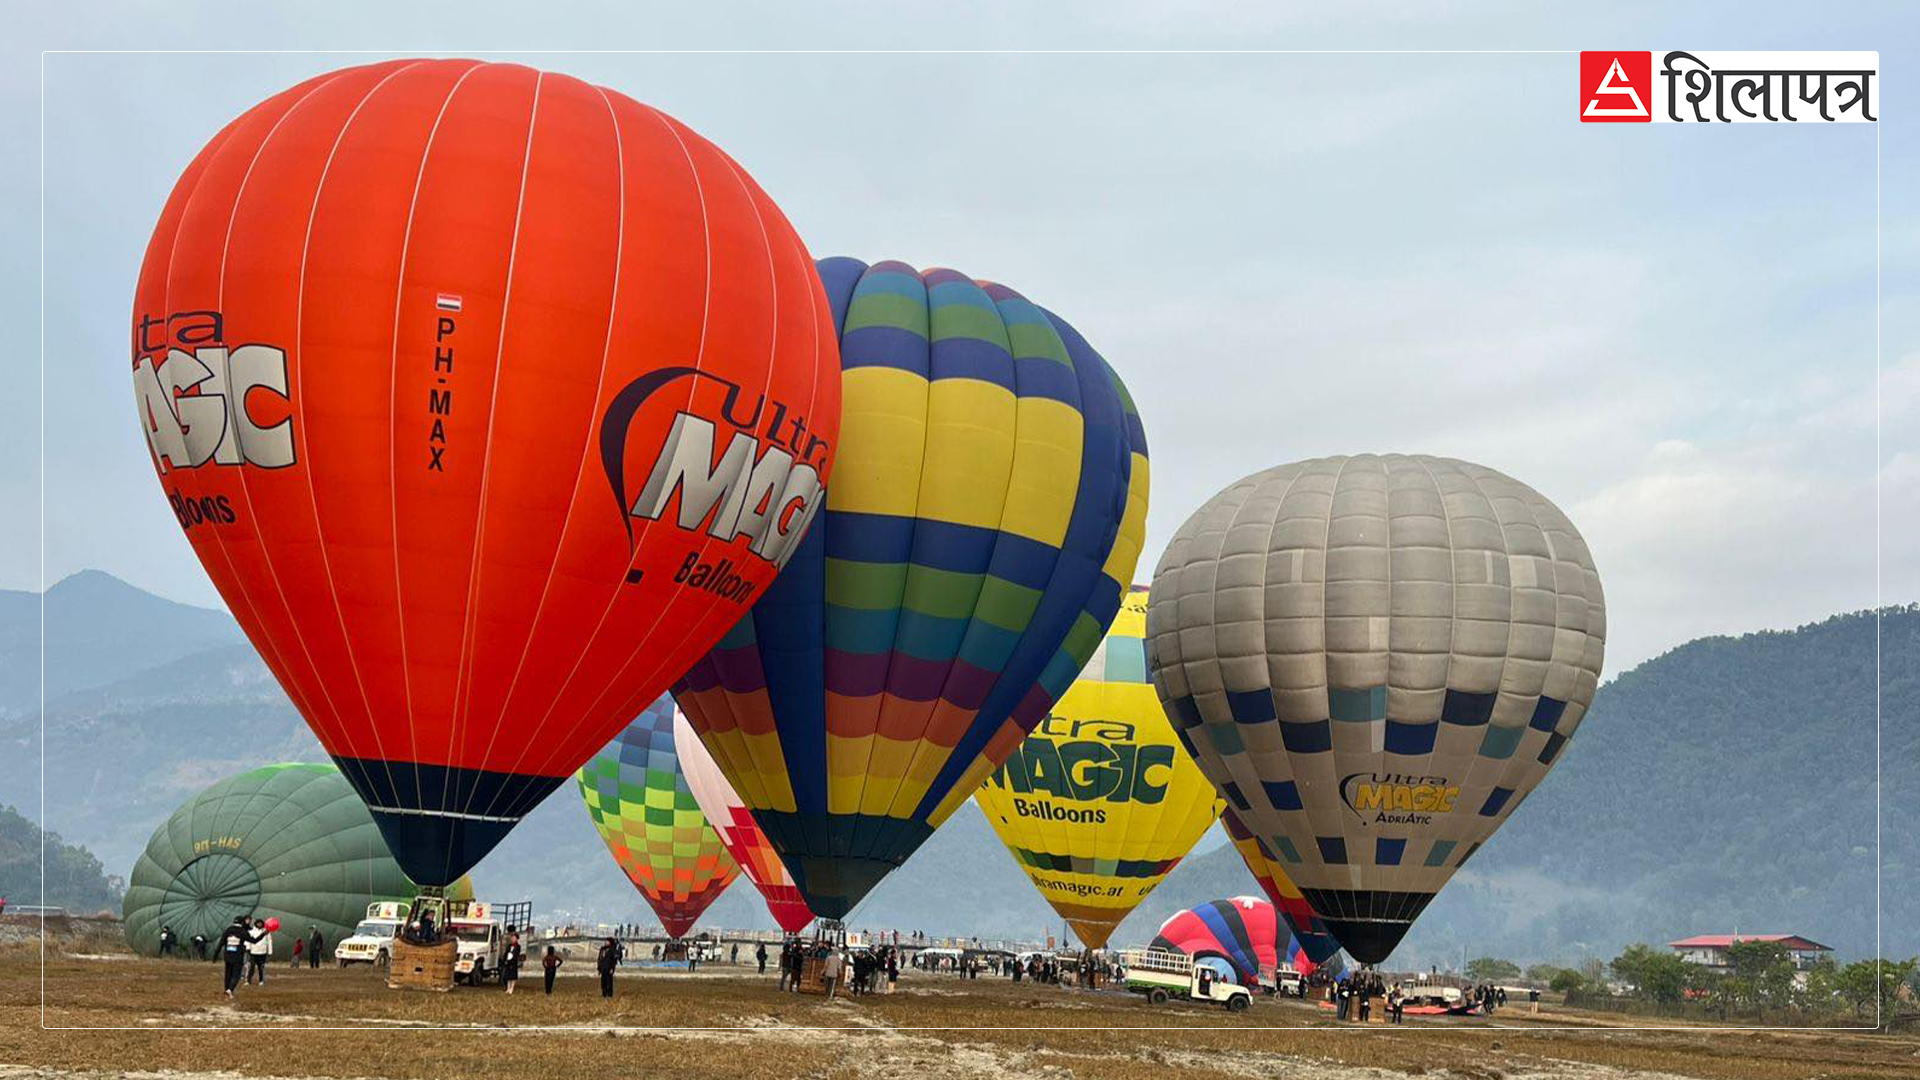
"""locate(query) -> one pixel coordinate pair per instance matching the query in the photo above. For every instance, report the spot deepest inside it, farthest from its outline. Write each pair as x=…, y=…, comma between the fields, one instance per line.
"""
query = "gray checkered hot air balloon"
x=1376, y=658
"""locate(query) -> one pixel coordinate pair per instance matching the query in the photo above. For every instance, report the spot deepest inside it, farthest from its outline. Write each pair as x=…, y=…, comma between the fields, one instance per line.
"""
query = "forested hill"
x=1728, y=784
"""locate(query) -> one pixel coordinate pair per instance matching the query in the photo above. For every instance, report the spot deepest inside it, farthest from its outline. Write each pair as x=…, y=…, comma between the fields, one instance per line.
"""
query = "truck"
x=1161, y=975
x=372, y=940
x=479, y=940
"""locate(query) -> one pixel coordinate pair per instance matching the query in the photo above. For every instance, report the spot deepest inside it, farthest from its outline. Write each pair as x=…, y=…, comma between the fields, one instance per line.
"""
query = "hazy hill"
x=1726, y=784
x=74, y=878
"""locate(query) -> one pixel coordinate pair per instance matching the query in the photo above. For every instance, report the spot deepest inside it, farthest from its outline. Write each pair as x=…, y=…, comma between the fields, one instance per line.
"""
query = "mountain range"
x=1727, y=785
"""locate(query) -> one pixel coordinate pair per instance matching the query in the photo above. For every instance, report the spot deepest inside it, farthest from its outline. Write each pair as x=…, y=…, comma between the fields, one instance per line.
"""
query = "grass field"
x=751, y=1031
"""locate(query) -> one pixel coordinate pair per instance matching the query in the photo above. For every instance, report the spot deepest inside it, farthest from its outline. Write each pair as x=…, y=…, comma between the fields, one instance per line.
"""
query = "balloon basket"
x=827, y=934
x=422, y=967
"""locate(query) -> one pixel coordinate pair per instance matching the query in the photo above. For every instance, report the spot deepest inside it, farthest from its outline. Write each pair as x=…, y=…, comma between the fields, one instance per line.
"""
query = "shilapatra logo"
x=1622, y=87
x=764, y=486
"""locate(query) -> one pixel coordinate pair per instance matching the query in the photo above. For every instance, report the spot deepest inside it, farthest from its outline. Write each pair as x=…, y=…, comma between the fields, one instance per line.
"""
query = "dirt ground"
x=334, y=1023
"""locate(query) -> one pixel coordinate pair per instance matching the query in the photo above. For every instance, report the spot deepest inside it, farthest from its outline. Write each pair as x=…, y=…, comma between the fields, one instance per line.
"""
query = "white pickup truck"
x=1161, y=975
x=481, y=941
x=372, y=941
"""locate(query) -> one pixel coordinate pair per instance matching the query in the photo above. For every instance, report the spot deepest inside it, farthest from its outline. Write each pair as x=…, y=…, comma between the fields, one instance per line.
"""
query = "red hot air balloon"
x=489, y=399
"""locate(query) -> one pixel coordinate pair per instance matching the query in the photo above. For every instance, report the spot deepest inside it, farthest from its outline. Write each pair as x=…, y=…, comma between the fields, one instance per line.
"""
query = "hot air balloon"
x=1100, y=802
x=290, y=841
x=734, y=823
x=968, y=562
x=488, y=399
x=637, y=796
x=1310, y=935
x=1244, y=931
x=1376, y=658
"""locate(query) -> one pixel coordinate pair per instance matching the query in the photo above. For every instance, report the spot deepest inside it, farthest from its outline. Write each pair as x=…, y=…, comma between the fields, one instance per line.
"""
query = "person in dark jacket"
x=609, y=958
x=199, y=946
x=551, y=962
x=315, y=943
x=760, y=956
x=233, y=951
x=167, y=941
x=510, y=961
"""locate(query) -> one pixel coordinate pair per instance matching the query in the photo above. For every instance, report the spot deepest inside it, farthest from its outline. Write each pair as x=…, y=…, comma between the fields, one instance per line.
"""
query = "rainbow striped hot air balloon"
x=987, y=509
x=638, y=799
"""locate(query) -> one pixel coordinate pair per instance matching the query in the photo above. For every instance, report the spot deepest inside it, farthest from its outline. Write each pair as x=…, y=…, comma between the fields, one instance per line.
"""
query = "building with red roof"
x=1710, y=950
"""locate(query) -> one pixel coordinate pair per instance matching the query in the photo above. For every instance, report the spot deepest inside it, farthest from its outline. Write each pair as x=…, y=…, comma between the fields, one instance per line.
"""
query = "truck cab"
x=1161, y=975
x=479, y=941
x=372, y=940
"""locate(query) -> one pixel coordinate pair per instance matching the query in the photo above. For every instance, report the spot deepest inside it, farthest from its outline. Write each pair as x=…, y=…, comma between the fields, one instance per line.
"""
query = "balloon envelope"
x=969, y=560
x=638, y=799
x=1100, y=802
x=734, y=823
x=1244, y=931
x=286, y=842
x=1376, y=658
x=488, y=399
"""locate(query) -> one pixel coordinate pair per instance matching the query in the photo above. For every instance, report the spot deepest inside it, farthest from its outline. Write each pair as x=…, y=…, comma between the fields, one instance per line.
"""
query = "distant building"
x=1710, y=950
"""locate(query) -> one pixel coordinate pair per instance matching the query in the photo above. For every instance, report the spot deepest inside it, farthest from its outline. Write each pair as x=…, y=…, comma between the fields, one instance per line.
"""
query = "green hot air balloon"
x=1375, y=659
x=290, y=841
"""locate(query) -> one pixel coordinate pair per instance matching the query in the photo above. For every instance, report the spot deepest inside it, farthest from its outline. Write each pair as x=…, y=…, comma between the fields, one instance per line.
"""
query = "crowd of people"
x=1353, y=995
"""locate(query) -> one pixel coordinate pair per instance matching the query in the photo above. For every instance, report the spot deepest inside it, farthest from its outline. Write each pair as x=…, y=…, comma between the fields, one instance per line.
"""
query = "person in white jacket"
x=259, y=948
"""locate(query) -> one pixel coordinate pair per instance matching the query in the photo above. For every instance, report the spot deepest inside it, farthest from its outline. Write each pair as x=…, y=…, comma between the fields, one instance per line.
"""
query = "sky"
x=1669, y=330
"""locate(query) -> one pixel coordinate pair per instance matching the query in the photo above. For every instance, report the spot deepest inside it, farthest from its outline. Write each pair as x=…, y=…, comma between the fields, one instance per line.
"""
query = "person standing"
x=233, y=952
x=1533, y=999
x=1365, y=989
x=166, y=941
x=200, y=946
x=1396, y=1004
x=259, y=948
x=609, y=957
x=510, y=962
x=734, y=956
x=551, y=965
x=760, y=956
x=893, y=970
x=299, y=946
x=830, y=969
x=315, y=943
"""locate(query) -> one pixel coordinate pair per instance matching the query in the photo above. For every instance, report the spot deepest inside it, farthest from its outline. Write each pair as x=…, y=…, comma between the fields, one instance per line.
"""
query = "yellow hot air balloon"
x=1101, y=801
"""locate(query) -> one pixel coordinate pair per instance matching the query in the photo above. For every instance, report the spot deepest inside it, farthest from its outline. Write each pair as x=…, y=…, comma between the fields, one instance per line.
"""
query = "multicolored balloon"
x=637, y=795
x=986, y=515
x=1100, y=802
x=488, y=399
x=1376, y=658
x=734, y=823
x=1244, y=931
x=1310, y=935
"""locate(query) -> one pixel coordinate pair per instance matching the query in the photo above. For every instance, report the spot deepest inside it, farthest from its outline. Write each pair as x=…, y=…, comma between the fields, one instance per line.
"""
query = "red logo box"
x=1616, y=87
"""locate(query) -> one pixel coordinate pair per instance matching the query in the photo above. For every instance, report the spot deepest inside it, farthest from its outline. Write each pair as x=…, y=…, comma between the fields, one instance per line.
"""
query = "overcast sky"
x=1669, y=330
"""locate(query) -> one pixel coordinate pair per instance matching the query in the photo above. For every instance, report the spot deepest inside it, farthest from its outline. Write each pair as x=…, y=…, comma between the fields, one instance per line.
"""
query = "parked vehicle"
x=372, y=940
x=1162, y=975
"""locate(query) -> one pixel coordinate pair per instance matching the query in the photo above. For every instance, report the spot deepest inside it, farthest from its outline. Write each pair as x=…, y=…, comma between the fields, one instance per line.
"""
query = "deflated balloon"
x=638, y=799
x=1309, y=932
x=289, y=842
x=1376, y=659
x=488, y=399
x=985, y=516
x=1100, y=802
x=1244, y=931
x=734, y=823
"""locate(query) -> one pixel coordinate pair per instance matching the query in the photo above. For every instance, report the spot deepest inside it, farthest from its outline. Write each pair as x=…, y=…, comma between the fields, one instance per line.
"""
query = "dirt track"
x=749, y=1030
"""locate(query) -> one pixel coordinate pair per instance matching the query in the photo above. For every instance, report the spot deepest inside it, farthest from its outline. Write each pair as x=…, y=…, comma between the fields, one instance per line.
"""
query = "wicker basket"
x=422, y=967
x=813, y=974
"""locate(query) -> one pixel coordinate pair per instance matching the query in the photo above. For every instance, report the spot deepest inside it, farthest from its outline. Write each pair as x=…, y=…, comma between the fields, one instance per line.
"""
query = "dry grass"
x=756, y=1033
